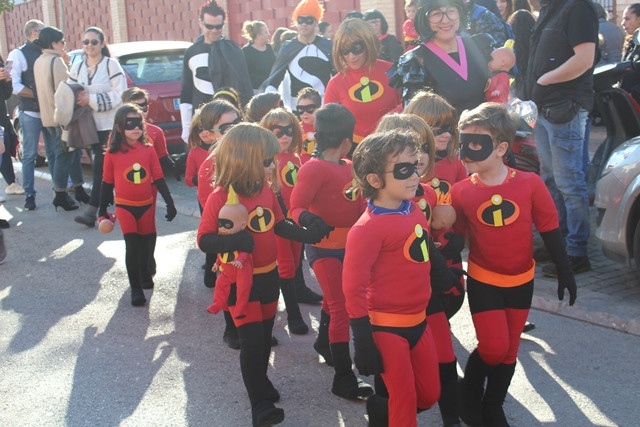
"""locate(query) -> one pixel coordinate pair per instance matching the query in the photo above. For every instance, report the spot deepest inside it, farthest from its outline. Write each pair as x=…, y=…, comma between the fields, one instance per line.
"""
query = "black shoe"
x=272, y=393
x=81, y=195
x=62, y=200
x=137, y=297
x=528, y=327
x=4, y=224
x=378, y=411
x=579, y=264
x=470, y=404
x=30, y=203
x=297, y=326
x=231, y=338
x=541, y=254
x=307, y=296
x=264, y=414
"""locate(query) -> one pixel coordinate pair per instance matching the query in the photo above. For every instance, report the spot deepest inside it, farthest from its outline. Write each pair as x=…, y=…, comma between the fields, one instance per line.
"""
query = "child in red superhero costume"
x=438, y=324
x=245, y=158
x=496, y=208
x=309, y=100
x=131, y=167
x=287, y=129
x=386, y=277
x=235, y=267
x=502, y=60
x=411, y=36
x=326, y=200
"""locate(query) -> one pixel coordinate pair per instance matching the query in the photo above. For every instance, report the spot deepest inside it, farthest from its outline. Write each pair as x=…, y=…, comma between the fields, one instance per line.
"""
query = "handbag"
x=560, y=111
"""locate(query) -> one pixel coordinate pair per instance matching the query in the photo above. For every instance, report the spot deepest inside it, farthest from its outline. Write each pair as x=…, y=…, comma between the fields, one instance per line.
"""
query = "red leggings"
x=137, y=219
x=289, y=253
x=441, y=332
x=410, y=373
x=498, y=314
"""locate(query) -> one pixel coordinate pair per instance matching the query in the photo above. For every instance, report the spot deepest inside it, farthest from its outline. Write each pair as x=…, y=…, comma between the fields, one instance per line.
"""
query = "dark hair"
x=229, y=94
x=334, y=123
x=376, y=14
x=634, y=8
x=521, y=22
x=212, y=111
x=310, y=93
x=425, y=6
x=105, y=50
x=322, y=26
x=522, y=5
x=134, y=93
x=211, y=8
x=275, y=38
x=48, y=36
x=354, y=14
x=261, y=104
x=494, y=118
x=117, y=140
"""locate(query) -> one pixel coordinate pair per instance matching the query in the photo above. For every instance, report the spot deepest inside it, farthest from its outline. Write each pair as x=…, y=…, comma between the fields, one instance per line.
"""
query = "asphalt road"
x=73, y=351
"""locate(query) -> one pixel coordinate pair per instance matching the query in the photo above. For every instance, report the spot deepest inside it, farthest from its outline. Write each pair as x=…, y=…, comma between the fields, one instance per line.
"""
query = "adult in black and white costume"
x=306, y=59
x=212, y=62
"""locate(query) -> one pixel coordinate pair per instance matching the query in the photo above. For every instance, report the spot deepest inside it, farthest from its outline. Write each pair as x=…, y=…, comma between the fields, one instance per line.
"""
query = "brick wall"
x=14, y=22
x=170, y=20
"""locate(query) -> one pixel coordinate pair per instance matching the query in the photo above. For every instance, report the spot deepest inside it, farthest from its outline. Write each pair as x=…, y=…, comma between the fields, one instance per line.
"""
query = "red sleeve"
x=460, y=226
x=209, y=218
x=107, y=169
x=205, y=178
x=357, y=269
x=243, y=257
x=303, y=193
x=545, y=214
x=331, y=93
x=192, y=168
x=160, y=143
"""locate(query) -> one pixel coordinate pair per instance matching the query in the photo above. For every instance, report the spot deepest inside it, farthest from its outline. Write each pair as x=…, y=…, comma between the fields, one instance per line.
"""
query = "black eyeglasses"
x=440, y=130
x=133, y=123
x=436, y=16
x=280, y=131
x=94, y=42
x=309, y=108
x=405, y=170
x=144, y=106
x=223, y=128
x=267, y=162
x=211, y=26
x=356, y=48
x=309, y=20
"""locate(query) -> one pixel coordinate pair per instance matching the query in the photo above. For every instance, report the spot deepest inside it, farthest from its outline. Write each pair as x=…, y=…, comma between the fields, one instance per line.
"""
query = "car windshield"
x=153, y=67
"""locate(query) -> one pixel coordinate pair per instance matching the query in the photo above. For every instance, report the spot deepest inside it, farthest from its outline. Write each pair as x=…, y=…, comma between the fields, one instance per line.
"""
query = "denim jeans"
x=67, y=163
x=30, y=128
x=560, y=149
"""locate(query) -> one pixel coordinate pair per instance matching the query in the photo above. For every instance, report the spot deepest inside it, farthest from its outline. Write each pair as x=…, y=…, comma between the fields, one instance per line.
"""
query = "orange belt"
x=120, y=201
x=396, y=319
x=501, y=280
x=337, y=239
x=264, y=269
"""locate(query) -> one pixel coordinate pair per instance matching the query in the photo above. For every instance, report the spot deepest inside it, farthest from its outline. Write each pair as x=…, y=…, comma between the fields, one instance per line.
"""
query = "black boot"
x=471, y=390
x=378, y=411
x=303, y=293
x=88, y=217
x=448, y=402
x=151, y=247
x=230, y=332
x=146, y=274
x=321, y=345
x=497, y=385
x=265, y=414
x=133, y=243
x=80, y=195
x=345, y=382
x=61, y=200
x=294, y=317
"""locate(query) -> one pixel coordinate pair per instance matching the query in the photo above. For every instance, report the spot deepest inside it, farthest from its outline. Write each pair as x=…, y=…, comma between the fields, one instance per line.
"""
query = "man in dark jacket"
x=212, y=62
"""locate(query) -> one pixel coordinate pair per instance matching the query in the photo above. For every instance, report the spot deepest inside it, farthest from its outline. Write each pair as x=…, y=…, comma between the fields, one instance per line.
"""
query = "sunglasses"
x=309, y=20
x=133, y=123
x=405, y=170
x=267, y=162
x=440, y=130
x=309, y=109
x=144, y=106
x=211, y=26
x=223, y=128
x=280, y=131
x=356, y=48
x=93, y=42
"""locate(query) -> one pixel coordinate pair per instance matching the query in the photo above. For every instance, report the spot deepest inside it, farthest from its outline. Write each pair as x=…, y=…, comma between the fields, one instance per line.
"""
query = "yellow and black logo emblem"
x=228, y=257
x=260, y=220
x=351, y=191
x=441, y=186
x=498, y=212
x=289, y=174
x=416, y=248
x=366, y=90
x=136, y=174
x=425, y=208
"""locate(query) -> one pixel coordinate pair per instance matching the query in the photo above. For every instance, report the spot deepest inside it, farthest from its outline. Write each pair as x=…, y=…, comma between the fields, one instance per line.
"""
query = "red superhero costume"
x=205, y=178
x=499, y=81
x=425, y=199
x=156, y=138
x=329, y=191
x=366, y=93
x=386, y=277
x=499, y=263
x=308, y=138
x=195, y=158
x=230, y=274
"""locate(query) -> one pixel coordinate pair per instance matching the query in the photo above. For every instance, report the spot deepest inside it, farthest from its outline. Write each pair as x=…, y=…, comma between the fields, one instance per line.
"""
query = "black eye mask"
x=225, y=223
x=405, y=170
x=133, y=122
x=485, y=142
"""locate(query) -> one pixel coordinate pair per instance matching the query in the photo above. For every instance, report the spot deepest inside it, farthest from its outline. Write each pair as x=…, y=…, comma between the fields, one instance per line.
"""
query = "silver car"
x=617, y=199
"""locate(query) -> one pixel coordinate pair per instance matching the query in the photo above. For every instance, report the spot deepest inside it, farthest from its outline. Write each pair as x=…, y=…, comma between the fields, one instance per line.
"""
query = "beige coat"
x=49, y=70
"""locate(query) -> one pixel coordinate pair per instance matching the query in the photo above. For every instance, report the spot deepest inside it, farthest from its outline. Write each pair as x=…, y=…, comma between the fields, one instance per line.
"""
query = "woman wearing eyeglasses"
x=449, y=63
x=361, y=84
x=103, y=81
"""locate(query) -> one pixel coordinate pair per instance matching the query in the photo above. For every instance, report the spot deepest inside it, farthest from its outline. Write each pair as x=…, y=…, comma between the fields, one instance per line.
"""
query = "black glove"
x=454, y=246
x=315, y=225
x=554, y=241
x=367, y=357
x=168, y=166
x=287, y=229
x=214, y=243
x=171, y=211
x=106, y=198
x=457, y=288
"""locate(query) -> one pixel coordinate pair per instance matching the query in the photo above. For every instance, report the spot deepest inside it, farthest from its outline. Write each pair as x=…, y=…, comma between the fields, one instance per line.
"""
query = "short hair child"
x=309, y=100
x=261, y=104
x=496, y=208
x=333, y=124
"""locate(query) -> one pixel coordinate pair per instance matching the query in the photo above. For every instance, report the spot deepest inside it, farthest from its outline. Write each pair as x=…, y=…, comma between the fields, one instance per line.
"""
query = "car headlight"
x=619, y=155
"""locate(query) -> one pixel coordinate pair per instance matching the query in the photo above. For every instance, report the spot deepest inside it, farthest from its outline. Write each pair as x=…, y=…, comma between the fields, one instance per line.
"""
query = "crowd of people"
x=373, y=157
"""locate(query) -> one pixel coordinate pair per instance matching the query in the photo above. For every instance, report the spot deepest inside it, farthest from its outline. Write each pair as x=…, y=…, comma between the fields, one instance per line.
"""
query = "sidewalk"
x=608, y=295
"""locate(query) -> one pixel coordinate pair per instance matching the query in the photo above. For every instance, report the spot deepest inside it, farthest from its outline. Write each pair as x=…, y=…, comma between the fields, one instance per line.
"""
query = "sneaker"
x=14, y=188
x=579, y=264
x=30, y=203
